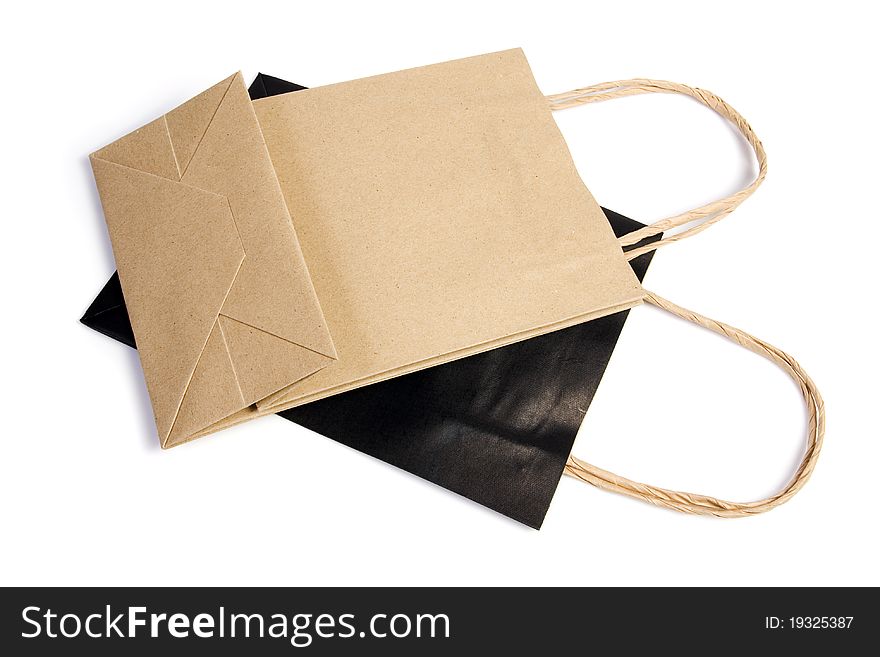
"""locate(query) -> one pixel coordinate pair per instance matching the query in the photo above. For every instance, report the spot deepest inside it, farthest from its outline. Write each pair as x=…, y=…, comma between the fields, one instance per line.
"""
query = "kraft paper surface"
x=440, y=215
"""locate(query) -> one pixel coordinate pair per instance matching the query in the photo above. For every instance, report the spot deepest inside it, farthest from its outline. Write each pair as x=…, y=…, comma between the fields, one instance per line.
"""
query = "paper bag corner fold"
x=221, y=304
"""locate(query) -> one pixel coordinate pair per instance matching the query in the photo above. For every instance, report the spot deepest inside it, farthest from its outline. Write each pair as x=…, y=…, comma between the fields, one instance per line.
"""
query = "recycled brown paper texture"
x=441, y=215
x=219, y=296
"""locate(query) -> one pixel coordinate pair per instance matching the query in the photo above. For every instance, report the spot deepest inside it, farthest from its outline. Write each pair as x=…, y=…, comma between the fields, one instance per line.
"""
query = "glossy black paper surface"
x=496, y=427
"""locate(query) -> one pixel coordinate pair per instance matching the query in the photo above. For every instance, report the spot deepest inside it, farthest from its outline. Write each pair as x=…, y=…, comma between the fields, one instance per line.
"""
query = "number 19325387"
x=808, y=622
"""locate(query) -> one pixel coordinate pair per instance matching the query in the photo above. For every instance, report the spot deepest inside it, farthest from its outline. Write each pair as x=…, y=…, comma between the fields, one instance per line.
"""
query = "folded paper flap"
x=273, y=291
x=266, y=361
x=214, y=373
x=200, y=230
x=188, y=123
x=178, y=251
x=148, y=149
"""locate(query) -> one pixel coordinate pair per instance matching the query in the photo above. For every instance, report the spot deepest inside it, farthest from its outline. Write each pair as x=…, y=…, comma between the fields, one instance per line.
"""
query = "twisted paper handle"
x=709, y=213
x=701, y=504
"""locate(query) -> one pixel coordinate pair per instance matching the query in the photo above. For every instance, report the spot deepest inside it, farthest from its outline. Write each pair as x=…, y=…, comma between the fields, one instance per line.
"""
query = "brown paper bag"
x=440, y=215
x=435, y=225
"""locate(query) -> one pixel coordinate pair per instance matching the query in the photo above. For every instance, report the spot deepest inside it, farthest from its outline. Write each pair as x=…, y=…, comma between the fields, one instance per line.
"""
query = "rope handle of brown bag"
x=702, y=504
x=707, y=214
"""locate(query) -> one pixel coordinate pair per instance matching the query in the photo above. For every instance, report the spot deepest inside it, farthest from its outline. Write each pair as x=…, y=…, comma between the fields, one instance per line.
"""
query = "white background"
x=86, y=495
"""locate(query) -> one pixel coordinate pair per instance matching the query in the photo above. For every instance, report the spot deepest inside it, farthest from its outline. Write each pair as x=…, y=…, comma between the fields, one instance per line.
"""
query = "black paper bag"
x=496, y=427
